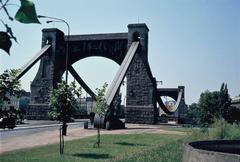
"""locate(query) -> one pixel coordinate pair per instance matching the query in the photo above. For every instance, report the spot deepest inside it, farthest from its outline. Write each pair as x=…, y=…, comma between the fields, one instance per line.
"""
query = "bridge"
x=129, y=50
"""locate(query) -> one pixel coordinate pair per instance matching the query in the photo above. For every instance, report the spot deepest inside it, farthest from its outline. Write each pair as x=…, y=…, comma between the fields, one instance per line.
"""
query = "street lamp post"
x=63, y=131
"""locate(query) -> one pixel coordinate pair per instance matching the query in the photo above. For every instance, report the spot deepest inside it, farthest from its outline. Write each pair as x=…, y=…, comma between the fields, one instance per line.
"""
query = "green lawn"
x=180, y=129
x=132, y=147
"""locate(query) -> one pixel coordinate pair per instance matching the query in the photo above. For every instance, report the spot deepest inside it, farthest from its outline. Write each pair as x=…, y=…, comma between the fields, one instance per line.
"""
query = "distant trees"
x=208, y=107
x=192, y=113
x=212, y=105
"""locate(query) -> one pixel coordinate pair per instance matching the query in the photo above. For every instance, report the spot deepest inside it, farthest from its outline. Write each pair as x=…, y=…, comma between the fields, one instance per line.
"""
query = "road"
x=35, y=128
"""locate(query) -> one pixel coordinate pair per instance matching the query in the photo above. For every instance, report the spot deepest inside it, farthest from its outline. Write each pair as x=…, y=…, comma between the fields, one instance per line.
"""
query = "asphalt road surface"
x=22, y=130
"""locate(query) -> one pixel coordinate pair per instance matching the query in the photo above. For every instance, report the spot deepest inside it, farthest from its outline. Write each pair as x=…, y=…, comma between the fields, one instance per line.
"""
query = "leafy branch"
x=25, y=14
x=9, y=84
x=101, y=104
x=5, y=9
x=63, y=99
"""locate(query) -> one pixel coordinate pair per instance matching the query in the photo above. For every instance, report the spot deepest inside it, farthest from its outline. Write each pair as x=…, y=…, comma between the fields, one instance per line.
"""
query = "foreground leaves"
x=5, y=42
x=27, y=13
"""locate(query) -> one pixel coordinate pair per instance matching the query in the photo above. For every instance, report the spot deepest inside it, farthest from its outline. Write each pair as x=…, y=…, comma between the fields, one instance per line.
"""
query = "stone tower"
x=141, y=85
x=48, y=75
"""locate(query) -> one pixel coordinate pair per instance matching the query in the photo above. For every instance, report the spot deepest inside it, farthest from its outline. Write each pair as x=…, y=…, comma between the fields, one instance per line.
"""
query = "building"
x=236, y=102
x=11, y=102
x=87, y=104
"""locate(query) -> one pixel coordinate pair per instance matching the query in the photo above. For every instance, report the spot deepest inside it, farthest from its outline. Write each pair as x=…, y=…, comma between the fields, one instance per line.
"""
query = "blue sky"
x=195, y=43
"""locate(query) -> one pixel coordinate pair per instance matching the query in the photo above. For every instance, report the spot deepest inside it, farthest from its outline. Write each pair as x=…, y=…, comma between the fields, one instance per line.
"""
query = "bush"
x=53, y=115
x=220, y=129
x=224, y=129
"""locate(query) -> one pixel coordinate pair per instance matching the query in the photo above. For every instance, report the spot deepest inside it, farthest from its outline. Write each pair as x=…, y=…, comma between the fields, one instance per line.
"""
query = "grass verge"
x=170, y=152
x=113, y=148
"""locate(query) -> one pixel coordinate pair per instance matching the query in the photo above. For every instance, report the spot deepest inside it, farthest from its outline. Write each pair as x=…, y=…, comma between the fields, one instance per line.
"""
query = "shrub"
x=220, y=129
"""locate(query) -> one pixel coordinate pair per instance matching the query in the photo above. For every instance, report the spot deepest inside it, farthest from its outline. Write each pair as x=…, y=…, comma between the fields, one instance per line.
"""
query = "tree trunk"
x=98, y=140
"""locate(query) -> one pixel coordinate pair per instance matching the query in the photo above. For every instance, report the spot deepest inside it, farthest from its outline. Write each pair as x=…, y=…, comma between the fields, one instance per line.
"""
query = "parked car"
x=7, y=123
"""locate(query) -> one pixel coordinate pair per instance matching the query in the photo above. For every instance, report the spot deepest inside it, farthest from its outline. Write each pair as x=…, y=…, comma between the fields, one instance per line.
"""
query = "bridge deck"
x=108, y=36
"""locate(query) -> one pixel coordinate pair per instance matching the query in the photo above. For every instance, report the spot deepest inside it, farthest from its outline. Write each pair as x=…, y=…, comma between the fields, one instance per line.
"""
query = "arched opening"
x=136, y=36
x=170, y=105
x=169, y=102
x=95, y=71
x=48, y=41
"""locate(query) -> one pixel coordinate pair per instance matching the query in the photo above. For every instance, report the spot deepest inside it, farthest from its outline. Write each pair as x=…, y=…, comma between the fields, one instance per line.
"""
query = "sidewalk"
x=38, y=122
x=44, y=122
x=50, y=137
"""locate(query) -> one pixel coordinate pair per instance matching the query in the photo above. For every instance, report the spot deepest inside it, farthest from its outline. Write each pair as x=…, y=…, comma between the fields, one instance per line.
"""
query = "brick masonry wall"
x=140, y=107
x=38, y=111
x=139, y=114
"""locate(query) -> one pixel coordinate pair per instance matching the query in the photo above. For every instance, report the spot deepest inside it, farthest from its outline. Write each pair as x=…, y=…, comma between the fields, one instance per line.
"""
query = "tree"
x=9, y=86
x=207, y=107
x=25, y=14
x=63, y=101
x=224, y=101
x=192, y=113
x=214, y=105
x=9, y=83
x=100, y=108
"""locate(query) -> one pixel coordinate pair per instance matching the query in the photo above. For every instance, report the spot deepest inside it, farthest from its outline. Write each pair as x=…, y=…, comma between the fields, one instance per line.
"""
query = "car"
x=7, y=123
